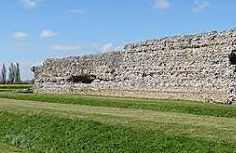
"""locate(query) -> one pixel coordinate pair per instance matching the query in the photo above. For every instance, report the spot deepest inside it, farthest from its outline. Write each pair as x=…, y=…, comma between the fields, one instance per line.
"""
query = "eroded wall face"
x=186, y=67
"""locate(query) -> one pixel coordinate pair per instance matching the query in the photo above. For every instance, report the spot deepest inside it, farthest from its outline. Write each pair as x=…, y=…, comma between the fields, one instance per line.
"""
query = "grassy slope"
x=50, y=127
x=179, y=106
x=53, y=134
x=9, y=149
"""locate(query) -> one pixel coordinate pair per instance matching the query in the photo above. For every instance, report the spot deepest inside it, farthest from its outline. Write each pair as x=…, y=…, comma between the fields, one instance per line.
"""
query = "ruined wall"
x=193, y=67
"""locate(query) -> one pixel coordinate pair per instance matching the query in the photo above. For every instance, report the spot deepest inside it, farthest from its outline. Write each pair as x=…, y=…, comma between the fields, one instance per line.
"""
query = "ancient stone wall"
x=192, y=67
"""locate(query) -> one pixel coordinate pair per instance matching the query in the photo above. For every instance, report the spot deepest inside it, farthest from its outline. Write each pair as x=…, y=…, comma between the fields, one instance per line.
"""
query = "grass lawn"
x=63, y=123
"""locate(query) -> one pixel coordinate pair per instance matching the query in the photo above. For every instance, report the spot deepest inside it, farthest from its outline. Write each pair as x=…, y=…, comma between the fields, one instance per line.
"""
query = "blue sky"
x=34, y=30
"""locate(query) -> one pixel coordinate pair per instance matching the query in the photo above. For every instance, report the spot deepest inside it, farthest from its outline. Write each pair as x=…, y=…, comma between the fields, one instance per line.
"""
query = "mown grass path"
x=178, y=106
x=136, y=114
x=208, y=133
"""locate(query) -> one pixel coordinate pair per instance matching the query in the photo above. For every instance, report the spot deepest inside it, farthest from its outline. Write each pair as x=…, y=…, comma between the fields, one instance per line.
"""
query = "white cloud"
x=109, y=47
x=76, y=11
x=20, y=35
x=200, y=6
x=161, y=4
x=29, y=4
x=48, y=34
x=65, y=47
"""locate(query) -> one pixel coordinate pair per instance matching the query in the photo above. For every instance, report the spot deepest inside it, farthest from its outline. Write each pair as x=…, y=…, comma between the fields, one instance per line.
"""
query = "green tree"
x=4, y=74
x=17, y=73
x=11, y=75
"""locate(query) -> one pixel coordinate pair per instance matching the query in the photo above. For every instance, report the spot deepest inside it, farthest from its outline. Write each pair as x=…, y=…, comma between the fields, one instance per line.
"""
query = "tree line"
x=12, y=75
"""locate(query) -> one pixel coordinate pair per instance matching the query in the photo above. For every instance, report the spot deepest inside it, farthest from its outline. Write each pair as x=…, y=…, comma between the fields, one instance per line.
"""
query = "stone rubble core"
x=192, y=67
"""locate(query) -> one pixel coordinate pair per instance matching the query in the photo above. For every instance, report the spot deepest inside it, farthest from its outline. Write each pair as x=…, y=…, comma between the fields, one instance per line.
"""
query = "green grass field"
x=75, y=123
x=15, y=86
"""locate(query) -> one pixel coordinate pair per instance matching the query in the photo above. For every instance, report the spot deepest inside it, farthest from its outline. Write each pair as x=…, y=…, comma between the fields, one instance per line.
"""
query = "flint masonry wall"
x=192, y=67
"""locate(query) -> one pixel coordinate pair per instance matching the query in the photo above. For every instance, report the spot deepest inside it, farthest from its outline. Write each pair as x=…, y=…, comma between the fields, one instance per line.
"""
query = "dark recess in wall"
x=232, y=57
x=82, y=78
